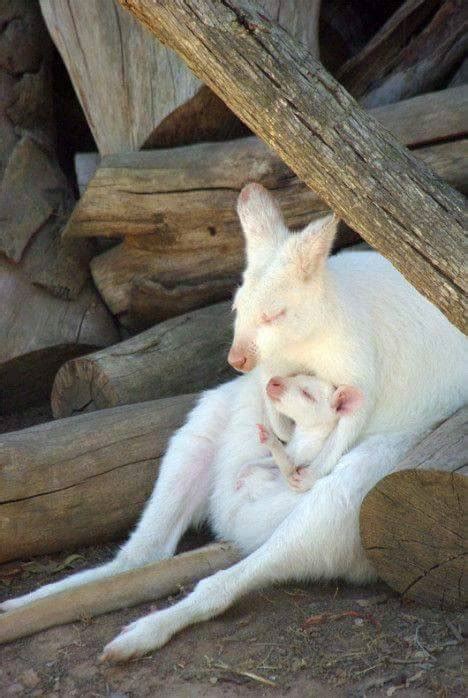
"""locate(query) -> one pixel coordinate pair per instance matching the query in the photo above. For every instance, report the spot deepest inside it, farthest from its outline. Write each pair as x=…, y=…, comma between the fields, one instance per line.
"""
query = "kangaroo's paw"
x=139, y=638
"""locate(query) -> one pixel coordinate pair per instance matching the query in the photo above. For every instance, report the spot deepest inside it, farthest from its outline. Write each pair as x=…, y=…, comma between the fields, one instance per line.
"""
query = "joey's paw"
x=263, y=433
x=137, y=639
x=301, y=479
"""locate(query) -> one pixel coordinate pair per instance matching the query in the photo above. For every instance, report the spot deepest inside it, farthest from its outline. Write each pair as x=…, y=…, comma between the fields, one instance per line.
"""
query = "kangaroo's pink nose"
x=237, y=358
x=275, y=388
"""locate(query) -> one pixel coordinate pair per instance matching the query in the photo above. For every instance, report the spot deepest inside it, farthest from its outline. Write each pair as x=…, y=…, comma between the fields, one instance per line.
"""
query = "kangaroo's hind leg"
x=179, y=499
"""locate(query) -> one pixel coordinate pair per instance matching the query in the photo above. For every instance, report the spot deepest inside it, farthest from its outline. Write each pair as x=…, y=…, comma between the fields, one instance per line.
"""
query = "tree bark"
x=427, y=61
x=196, y=186
x=412, y=521
x=184, y=354
x=82, y=480
x=359, y=169
x=384, y=49
x=123, y=590
x=35, y=197
x=136, y=93
x=39, y=332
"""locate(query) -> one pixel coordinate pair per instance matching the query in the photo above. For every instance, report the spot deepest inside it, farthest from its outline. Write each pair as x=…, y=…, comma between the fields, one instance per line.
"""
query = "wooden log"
x=427, y=62
x=412, y=521
x=381, y=53
x=137, y=93
x=360, y=170
x=450, y=161
x=149, y=278
x=81, y=480
x=135, y=194
x=123, y=590
x=40, y=332
x=176, y=209
x=184, y=354
x=34, y=194
x=152, y=301
x=346, y=27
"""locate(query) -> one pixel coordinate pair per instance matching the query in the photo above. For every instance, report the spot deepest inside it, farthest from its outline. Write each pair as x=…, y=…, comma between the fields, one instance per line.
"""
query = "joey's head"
x=311, y=402
x=280, y=300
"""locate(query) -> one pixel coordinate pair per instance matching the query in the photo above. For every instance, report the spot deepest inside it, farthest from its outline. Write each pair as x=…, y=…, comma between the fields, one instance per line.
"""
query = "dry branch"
x=81, y=480
x=184, y=354
x=123, y=590
x=412, y=521
x=372, y=182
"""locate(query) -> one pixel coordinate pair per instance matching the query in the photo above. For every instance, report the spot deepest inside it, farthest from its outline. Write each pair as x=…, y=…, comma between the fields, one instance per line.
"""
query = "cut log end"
x=412, y=531
x=81, y=386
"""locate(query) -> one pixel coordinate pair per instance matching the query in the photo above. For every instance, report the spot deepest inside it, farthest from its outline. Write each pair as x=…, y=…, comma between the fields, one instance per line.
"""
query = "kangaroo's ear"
x=347, y=399
x=262, y=222
x=309, y=250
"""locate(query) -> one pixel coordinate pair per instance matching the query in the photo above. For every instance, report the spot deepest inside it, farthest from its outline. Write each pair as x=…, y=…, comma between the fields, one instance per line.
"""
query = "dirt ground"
x=359, y=641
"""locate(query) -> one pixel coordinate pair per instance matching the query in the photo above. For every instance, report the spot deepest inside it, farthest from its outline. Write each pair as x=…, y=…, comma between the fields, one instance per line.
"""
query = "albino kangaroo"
x=315, y=407
x=353, y=320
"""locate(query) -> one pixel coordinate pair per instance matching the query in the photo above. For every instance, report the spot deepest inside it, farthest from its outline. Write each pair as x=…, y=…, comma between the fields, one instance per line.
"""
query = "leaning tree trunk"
x=81, y=480
x=341, y=152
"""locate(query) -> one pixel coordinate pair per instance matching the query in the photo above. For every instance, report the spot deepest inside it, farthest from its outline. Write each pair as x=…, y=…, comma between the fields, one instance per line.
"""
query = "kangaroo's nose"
x=275, y=388
x=238, y=359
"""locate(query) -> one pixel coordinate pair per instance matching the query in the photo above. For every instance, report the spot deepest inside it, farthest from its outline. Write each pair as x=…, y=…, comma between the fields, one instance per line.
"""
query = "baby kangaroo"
x=315, y=406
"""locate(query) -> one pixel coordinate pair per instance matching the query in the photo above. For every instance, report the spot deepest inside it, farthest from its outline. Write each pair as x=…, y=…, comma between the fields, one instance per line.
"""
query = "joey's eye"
x=266, y=319
x=307, y=395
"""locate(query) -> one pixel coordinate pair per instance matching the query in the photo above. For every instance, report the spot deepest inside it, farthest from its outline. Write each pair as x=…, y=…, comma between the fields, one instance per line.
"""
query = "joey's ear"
x=309, y=249
x=347, y=399
x=262, y=222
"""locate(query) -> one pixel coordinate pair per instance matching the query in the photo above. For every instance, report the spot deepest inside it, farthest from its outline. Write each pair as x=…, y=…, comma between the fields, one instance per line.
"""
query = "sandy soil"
x=258, y=648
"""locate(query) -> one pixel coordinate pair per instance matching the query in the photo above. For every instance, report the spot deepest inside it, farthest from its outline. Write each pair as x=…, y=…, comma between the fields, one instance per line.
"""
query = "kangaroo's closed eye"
x=307, y=395
x=266, y=319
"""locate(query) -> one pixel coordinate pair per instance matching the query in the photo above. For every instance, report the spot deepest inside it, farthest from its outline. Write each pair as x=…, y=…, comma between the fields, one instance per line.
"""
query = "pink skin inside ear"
x=275, y=388
x=347, y=399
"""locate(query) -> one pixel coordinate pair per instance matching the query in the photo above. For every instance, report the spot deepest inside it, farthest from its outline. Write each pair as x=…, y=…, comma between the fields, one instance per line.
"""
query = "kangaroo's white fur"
x=315, y=406
x=352, y=320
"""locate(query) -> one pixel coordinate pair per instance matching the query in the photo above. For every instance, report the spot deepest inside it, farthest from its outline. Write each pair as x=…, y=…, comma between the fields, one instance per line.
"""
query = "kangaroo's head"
x=281, y=297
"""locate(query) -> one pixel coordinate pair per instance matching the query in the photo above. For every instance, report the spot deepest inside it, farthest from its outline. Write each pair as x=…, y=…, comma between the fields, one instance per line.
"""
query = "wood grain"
x=412, y=521
x=184, y=354
x=39, y=332
x=82, y=480
x=358, y=168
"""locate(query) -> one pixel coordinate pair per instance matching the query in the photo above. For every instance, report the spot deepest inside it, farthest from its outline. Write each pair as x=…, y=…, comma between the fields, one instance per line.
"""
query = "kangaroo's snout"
x=275, y=388
x=240, y=359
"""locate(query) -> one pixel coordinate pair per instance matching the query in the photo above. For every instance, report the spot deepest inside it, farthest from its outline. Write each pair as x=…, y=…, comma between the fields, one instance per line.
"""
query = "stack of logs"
x=153, y=244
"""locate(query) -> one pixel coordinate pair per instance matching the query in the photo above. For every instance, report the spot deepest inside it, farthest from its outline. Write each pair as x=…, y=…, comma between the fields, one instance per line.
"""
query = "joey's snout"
x=275, y=388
